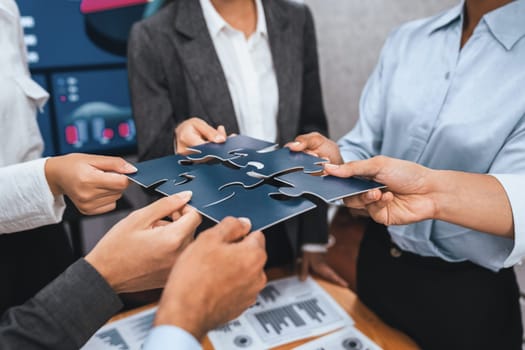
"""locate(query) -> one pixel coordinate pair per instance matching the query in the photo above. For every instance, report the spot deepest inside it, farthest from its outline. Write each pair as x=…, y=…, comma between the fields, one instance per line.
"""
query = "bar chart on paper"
x=286, y=310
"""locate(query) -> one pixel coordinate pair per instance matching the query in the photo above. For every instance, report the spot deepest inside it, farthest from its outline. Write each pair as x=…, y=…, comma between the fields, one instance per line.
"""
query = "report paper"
x=348, y=338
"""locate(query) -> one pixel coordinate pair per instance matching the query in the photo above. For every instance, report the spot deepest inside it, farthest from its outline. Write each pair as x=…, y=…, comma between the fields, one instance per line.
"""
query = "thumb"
x=115, y=164
x=365, y=168
x=158, y=210
x=256, y=239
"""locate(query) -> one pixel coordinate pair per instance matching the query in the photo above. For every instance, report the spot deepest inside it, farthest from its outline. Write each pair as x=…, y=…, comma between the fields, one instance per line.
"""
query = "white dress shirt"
x=27, y=201
x=514, y=185
x=170, y=337
x=249, y=71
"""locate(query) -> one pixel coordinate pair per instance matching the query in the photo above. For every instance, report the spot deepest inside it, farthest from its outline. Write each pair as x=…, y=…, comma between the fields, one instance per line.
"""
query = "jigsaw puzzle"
x=242, y=181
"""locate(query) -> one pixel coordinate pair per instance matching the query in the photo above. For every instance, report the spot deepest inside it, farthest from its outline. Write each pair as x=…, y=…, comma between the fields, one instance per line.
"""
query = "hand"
x=93, y=183
x=317, y=145
x=317, y=263
x=215, y=279
x=139, y=251
x=195, y=131
x=408, y=199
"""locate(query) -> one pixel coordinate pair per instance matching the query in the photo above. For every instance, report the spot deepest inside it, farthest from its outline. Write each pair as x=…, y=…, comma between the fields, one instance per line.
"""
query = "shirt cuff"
x=513, y=185
x=170, y=337
x=318, y=248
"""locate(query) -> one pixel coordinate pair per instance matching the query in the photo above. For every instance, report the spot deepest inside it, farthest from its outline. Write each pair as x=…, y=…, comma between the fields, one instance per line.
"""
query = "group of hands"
x=145, y=251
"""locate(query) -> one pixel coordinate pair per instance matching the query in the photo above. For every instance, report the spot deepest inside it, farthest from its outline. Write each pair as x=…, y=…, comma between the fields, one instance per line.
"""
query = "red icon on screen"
x=108, y=134
x=72, y=135
x=124, y=130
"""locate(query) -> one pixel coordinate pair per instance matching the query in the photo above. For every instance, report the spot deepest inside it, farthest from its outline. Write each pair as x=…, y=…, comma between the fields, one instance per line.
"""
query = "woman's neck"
x=240, y=14
x=474, y=11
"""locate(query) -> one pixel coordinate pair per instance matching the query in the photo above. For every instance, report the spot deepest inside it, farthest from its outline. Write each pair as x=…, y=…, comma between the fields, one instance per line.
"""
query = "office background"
x=87, y=81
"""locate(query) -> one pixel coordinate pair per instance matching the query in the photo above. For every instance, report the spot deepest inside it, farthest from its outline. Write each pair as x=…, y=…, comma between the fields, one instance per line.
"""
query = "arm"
x=152, y=107
x=417, y=193
x=136, y=254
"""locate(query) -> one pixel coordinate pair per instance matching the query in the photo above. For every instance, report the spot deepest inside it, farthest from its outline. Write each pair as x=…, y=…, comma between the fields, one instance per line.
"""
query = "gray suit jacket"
x=175, y=73
x=63, y=315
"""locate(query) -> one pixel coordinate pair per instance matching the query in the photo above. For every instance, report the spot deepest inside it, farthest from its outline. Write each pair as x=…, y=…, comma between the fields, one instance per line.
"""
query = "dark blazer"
x=63, y=315
x=175, y=73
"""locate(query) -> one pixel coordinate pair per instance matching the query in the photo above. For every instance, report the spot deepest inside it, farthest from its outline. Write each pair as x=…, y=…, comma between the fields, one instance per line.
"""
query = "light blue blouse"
x=447, y=107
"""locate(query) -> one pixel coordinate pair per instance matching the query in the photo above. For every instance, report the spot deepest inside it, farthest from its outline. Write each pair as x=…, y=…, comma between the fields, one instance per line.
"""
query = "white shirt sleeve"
x=26, y=201
x=170, y=337
x=514, y=185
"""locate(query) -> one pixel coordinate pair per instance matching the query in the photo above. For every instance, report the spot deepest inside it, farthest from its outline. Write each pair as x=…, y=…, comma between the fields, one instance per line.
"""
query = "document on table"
x=126, y=334
x=286, y=310
x=348, y=338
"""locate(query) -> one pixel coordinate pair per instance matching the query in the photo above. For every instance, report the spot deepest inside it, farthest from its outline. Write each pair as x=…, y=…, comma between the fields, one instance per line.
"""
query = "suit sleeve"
x=152, y=107
x=63, y=315
x=314, y=225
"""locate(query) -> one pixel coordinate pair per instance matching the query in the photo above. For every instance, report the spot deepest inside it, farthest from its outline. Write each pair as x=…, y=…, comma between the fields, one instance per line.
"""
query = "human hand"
x=195, y=131
x=317, y=145
x=313, y=261
x=94, y=183
x=215, y=279
x=139, y=251
x=409, y=196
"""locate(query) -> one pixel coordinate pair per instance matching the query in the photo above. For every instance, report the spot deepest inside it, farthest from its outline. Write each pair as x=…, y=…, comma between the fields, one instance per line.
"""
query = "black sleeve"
x=152, y=108
x=63, y=315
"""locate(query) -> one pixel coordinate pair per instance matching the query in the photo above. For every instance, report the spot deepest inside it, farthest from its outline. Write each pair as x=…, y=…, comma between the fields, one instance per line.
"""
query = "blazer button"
x=395, y=253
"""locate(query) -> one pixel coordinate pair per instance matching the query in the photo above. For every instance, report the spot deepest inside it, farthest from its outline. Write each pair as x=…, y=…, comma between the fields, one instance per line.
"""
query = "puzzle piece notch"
x=257, y=204
x=227, y=150
x=328, y=188
x=206, y=183
x=156, y=171
x=270, y=164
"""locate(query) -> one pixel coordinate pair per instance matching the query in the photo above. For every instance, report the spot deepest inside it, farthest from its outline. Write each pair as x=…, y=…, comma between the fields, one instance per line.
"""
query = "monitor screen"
x=93, y=112
x=56, y=36
x=44, y=120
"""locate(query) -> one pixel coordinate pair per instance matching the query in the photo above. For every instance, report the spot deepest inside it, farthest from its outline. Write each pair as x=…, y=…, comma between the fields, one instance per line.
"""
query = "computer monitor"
x=93, y=112
x=44, y=121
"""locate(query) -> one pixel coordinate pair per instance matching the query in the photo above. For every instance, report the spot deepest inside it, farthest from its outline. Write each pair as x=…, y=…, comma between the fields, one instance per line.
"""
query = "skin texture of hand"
x=412, y=201
x=317, y=145
x=195, y=131
x=140, y=250
x=94, y=183
x=316, y=263
x=416, y=193
x=215, y=279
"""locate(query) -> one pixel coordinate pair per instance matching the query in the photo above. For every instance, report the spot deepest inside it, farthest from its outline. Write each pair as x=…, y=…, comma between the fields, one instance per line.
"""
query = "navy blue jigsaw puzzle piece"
x=159, y=170
x=272, y=163
x=328, y=188
x=227, y=150
x=258, y=205
x=206, y=182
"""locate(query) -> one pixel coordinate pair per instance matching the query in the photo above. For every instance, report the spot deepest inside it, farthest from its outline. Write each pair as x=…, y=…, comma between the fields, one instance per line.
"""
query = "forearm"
x=63, y=315
x=476, y=201
x=27, y=202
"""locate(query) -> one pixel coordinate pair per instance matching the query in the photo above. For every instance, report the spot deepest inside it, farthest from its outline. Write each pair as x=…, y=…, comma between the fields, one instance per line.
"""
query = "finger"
x=147, y=216
x=231, y=229
x=110, y=181
x=329, y=274
x=363, y=199
x=188, y=221
x=161, y=223
x=208, y=133
x=305, y=266
x=98, y=210
x=222, y=131
x=116, y=164
x=256, y=239
x=367, y=168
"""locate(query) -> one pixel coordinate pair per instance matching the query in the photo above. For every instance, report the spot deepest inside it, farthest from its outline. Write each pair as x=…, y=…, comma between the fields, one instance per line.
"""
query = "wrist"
x=181, y=317
x=51, y=170
x=438, y=188
x=99, y=265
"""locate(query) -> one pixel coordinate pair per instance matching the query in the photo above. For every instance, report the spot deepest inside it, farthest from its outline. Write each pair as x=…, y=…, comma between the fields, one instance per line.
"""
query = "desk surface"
x=365, y=320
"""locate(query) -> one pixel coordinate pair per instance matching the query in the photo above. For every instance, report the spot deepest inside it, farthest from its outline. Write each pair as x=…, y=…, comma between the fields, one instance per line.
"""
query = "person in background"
x=33, y=258
x=241, y=66
x=431, y=99
x=138, y=253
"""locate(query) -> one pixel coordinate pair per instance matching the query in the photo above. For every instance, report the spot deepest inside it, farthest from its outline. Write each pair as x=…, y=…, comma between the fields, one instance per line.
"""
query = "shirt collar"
x=507, y=23
x=447, y=17
x=216, y=23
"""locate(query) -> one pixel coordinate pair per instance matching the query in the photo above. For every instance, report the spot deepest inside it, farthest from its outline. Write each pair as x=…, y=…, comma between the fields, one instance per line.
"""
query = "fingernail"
x=331, y=166
x=130, y=168
x=185, y=195
x=246, y=221
x=219, y=138
x=296, y=143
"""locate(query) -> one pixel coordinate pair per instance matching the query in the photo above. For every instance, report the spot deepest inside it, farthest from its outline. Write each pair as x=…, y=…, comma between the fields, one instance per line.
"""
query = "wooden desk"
x=365, y=320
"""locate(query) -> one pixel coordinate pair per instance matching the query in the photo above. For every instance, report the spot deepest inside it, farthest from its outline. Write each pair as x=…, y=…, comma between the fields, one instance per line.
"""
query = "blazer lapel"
x=287, y=62
x=202, y=64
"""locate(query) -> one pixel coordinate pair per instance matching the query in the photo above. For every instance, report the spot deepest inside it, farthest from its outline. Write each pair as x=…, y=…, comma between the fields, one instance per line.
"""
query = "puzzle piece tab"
x=158, y=170
x=227, y=150
x=258, y=205
x=276, y=162
x=206, y=183
x=328, y=188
